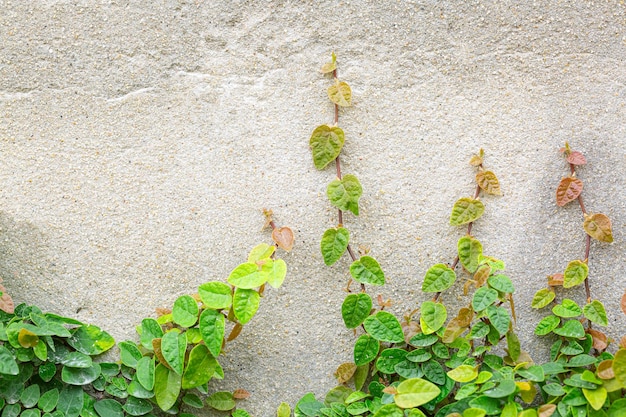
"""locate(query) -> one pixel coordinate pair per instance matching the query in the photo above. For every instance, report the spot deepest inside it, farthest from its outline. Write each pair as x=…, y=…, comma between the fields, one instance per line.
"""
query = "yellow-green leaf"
x=619, y=367
x=598, y=226
x=433, y=317
x=283, y=410
x=470, y=251
x=488, y=181
x=438, y=278
x=415, y=392
x=326, y=143
x=575, y=274
x=463, y=373
x=595, y=312
x=340, y=94
x=595, y=397
x=329, y=67
x=466, y=210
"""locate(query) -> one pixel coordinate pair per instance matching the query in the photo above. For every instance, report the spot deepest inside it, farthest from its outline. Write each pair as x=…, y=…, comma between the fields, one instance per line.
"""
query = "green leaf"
x=575, y=274
x=80, y=376
x=167, y=384
x=556, y=390
x=433, y=317
x=619, y=367
x=193, y=400
x=581, y=360
x=345, y=193
x=185, y=311
x=8, y=365
x=567, y=309
x=407, y=369
x=499, y=319
x=389, y=358
x=109, y=408
x=283, y=410
x=513, y=345
x=470, y=251
x=438, y=278
x=384, y=327
x=222, y=401
x=595, y=312
x=434, y=372
x=200, y=367
x=334, y=243
x=150, y=329
x=505, y=388
x=355, y=309
x=483, y=298
x=216, y=295
x=212, y=327
x=245, y=305
x=145, y=372
x=277, y=271
x=365, y=349
x=340, y=94
x=30, y=395
x=547, y=325
x=247, y=276
x=479, y=330
x=571, y=328
x=595, y=397
x=415, y=392
x=466, y=210
x=326, y=143
x=48, y=400
x=137, y=406
x=501, y=283
x=389, y=410
x=423, y=340
x=542, y=298
x=129, y=354
x=70, y=401
x=173, y=347
x=91, y=340
x=366, y=270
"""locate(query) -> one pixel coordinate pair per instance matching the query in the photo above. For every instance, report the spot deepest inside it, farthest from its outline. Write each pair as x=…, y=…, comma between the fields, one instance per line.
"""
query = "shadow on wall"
x=26, y=267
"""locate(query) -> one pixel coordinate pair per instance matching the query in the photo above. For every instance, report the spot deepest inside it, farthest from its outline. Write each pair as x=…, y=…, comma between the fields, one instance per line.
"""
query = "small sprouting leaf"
x=216, y=295
x=499, y=319
x=595, y=312
x=185, y=311
x=567, y=309
x=283, y=237
x=212, y=328
x=326, y=143
x=477, y=160
x=470, y=250
x=555, y=280
x=240, y=394
x=365, y=349
x=483, y=298
x=334, y=243
x=329, y=67
x=260, y=252
x=247, y=276
x=598, y=226
x=415, y=392
x=571, y=328
x=575, y=274
x=283, y=410
x=466, y=210
x=568, y=190
x=245, y=305
x=344, y=193
x=576, y=158
x=344, y=372
x=542, y=298
x=432, y=317
x=488, y=181
x=438, y=278
x=340, y=94
x=366, y=270
x=355, y=309
x=384, y=327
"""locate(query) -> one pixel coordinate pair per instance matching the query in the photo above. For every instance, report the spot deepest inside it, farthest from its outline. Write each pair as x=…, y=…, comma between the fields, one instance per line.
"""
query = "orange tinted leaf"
x=390, y=390
x=162, y=311
x=568, y=190
x=240, y=394
x=600, y=341
x=598, y=226
x=235, y=332
x=344, y=372
x=383, y=303
x=6, y=302
x=576, y=158
x=27, y=339
x=605, y=369
x=156, y=346
x=555, y=280
x=283, y=236
x=481, y=275
x=488, y=181
x=622, y=342
x=546, y=410
x=623, y=303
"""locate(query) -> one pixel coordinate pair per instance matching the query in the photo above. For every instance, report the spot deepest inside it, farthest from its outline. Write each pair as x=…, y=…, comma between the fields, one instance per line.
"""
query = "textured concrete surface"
x=140, y=141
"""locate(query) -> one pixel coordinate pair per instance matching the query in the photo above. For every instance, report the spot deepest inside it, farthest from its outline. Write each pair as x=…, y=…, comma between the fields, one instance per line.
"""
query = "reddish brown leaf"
x=156, y=346
x=598, y=226
x=234, y=332
x=344, y=372
x=6, y=302
x=622, y=342
x=600, y=341
x=555, y=280
x=383, y=303
x=390, y=390
x=605, y=369
x=465, y=316
x=410, y=329
x=162, y=311
x=283, y=236
x=623, y=303
x=568, y=190
x=240, y=394
x=576, y=158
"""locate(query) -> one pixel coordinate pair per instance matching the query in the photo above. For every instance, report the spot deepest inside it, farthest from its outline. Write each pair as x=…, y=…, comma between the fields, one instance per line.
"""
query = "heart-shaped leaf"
x=415, y=392
x=598, y=226
x=595, y=312
x=466, y=210
x=366, y=270
x=334, y=243
x=438, y=278
x=345, y=193
x=568, y=190
x=576, y=158
x=575, y=274
x=326, y=143
x=355, y=309
x=488, y=182
x=330, y=66
x=283, y=237
x=340, y=94
x=433, y=317
x=470, y=250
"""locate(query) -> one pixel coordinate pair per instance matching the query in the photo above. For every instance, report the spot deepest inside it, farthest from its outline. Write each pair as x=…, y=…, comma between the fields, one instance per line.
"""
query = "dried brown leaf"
x=465, y=317
x=555, y=280
x=283, y=237
x=390, y=390
x=605, y=369
x=410, y=329
x=481, y=275
x=622, y=342
x=546, y=410
x=598, y=226
x=623, y=303
x=383, y=303
x=568, y=190
x=600, y=341
x=240, y=394
x=156, y=346
x=488, y=181
x=576, y=158
x=344, y=372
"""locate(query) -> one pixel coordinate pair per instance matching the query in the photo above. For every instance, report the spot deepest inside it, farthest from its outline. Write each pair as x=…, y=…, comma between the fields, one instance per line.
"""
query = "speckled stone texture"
x=141, y=139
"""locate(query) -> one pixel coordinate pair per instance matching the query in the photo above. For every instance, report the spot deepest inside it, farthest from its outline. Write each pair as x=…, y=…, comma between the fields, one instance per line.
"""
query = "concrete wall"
x=140, y=141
